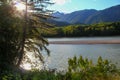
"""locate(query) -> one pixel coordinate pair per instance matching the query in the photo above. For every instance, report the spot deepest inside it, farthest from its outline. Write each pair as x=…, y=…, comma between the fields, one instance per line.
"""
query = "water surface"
x=61, y=52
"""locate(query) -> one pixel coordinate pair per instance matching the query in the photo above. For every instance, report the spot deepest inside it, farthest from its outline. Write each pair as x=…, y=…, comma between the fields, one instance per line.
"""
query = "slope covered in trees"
x=100, y=29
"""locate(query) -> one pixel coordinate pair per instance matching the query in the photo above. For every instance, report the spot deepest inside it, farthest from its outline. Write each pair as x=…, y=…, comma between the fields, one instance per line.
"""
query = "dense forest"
x=100, y=29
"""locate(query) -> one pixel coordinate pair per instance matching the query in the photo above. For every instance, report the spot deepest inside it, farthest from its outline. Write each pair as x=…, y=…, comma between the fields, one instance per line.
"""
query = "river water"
x=61, y=52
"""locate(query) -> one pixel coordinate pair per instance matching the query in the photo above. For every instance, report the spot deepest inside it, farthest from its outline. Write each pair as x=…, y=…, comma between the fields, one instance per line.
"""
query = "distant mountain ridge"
x=89, y=16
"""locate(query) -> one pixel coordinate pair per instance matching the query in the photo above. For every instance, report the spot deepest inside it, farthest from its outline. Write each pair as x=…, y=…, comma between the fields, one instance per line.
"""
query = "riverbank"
x=87, y=42
x=85, y=69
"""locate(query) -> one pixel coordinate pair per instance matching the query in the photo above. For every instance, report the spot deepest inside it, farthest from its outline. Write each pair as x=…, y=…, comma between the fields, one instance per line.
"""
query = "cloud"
x=61, y=2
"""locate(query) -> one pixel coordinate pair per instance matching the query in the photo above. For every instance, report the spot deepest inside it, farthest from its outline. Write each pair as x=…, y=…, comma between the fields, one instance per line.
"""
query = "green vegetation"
x=78, y=69
x=20, y=32
x=9, y=36
x=100, y=29
x=18, y=35
x=84, y=69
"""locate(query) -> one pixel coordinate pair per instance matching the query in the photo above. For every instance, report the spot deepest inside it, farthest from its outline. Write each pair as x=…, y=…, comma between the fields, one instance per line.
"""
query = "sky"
x=68, y=6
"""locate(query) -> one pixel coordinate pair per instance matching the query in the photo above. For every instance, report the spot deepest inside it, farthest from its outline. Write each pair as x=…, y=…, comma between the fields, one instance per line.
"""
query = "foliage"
x=84, y=69
x=32, y=39
x=9, y=75
x=9, y=36
x=78, y=69
x=100, y=29
x=19, y=35
x=14, y=42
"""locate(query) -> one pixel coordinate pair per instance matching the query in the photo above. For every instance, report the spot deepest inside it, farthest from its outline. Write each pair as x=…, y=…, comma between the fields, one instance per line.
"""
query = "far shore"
x=87, y=42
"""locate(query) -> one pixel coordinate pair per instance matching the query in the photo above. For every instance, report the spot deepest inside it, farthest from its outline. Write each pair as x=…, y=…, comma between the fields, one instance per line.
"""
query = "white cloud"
x=61, y=2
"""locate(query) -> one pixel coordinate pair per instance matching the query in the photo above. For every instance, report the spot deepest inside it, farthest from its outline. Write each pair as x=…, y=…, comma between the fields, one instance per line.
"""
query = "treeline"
x=100, y=29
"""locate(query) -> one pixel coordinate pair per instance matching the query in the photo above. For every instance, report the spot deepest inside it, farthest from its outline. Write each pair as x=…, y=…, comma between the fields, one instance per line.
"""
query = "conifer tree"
x=32, y=20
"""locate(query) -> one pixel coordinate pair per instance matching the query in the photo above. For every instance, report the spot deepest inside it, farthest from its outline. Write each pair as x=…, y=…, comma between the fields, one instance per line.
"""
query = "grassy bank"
x=78, y=69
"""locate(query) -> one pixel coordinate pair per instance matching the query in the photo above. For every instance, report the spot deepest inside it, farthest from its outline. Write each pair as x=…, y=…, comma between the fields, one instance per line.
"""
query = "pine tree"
x=30, y=28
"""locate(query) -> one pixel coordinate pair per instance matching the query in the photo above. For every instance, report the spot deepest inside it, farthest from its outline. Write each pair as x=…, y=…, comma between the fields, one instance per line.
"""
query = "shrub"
x=84, y=69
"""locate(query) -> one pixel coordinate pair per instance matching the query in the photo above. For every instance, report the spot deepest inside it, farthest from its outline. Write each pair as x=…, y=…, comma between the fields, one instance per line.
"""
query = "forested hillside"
x=100, y=29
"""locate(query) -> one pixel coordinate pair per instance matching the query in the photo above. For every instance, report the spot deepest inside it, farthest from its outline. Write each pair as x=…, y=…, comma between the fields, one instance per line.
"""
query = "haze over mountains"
x=88, y=16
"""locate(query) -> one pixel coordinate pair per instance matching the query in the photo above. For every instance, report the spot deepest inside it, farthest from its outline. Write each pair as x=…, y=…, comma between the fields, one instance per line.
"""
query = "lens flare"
x=20, y=6
x=26, y=66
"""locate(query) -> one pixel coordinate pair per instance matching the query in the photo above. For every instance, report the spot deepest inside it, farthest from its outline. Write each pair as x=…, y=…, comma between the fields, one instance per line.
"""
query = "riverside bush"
x=84, y=69
x=78, y=69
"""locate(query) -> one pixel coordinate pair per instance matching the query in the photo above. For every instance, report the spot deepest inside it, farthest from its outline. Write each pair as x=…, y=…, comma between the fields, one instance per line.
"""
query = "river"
x=61, y=52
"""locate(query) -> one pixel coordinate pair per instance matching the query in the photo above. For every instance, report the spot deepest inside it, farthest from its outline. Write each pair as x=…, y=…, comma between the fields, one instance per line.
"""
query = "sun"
x=61, y=2
x=27, y=66
x=20, y=6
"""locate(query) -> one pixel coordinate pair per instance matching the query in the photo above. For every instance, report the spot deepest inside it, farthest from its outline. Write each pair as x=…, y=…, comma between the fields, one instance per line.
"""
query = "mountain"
x=89, y=16
x=56, y=14
x=111, y=14
x=75, y=17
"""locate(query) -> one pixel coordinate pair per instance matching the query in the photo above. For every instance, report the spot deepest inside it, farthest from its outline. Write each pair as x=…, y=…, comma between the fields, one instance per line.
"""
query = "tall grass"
x=78, y=69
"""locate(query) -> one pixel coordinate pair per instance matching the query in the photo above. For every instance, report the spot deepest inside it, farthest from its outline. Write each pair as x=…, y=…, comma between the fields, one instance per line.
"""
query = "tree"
x=9, y=36
x=32, y=38
x=30, y=29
